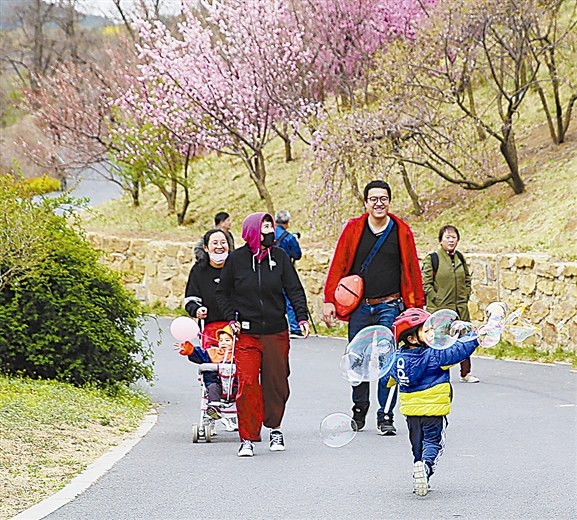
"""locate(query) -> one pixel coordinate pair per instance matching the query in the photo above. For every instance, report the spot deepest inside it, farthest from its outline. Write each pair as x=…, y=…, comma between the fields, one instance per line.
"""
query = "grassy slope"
x=51, y=431
x=544, y=219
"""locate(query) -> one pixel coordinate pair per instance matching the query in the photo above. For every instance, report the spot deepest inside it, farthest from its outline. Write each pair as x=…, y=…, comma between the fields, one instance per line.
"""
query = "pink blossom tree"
x=233, y=71
x=347, y=34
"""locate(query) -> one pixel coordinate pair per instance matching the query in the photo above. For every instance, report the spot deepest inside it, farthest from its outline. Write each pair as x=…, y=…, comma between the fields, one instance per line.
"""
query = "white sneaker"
x=230, y=424
x=276, y=440
x=212, y=426
x=470, y=379
x=246, y=449
x=421, y=483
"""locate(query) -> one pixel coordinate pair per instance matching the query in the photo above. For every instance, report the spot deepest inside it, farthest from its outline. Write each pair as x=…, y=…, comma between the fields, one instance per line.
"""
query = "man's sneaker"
x=276, y=440
x=470, y=379
x=359, y=416
x=213, y=412
x=385, y=425
x=246, y=449
x=421, y=482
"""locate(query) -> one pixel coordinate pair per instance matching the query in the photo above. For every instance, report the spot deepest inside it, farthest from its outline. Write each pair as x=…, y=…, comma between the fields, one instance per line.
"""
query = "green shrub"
x=42, y=185
x=70, y=318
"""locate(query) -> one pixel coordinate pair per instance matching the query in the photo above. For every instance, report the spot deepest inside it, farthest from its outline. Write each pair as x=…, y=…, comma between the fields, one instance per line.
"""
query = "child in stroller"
x=218, y=384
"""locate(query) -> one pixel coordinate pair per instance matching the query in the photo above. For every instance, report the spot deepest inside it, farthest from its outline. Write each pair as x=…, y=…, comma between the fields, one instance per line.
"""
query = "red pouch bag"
x=348, y=294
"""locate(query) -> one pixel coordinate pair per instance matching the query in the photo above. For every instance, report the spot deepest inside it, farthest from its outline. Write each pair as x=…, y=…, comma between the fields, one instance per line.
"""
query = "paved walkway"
x=511, y=453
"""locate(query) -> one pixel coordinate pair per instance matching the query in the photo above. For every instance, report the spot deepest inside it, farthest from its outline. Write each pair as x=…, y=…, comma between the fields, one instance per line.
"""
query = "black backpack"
x=435, y=262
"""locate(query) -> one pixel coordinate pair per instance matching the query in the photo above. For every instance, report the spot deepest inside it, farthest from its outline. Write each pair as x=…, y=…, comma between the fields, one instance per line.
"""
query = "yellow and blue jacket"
x=423, y=376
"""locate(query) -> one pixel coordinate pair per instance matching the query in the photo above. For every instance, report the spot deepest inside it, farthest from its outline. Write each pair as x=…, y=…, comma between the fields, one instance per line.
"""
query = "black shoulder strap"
x=462, y=258
x=282, y=237
x=435, y=263
x=377, y=246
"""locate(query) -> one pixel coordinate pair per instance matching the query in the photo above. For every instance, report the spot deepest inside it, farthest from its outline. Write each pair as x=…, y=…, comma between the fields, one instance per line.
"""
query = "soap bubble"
x=368, y=356
x=497, y=311
x=437, y=329
x=518, y=327
x=338, y=429
x=460, y=328
x=489, y=335
x=563, y=335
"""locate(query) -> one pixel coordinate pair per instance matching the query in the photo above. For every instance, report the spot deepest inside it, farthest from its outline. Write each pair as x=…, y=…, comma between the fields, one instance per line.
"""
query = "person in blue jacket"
x=425, y=392
x=289, y=243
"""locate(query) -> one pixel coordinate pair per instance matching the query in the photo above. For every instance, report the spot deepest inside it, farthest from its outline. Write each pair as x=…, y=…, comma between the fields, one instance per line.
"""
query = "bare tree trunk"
x=284, y=135
x=135, y=193
x=182, y=214
x=480, y=131
x=410, y=190
x=168, y=196
x=509, y=150
x=257, y=171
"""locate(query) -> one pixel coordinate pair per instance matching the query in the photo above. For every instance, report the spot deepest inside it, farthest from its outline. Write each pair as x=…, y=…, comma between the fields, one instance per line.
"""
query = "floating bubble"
x=563, y=335
x=519, y=328
x=337, y=430
x=497, y=311
x=488, y=335
x=437, y=329
x=368, y=356
x=460, y=328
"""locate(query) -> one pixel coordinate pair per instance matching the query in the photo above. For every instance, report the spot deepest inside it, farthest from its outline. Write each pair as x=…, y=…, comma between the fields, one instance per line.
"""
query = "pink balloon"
x=184, y=329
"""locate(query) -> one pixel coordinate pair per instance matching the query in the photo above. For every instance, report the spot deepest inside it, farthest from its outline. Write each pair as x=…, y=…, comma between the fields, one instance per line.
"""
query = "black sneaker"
x=385, y=425
x=276, y=440
x=359, y=416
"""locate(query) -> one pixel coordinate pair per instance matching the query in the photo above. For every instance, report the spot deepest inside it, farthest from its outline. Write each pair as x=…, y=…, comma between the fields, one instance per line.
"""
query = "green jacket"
x=449, y=288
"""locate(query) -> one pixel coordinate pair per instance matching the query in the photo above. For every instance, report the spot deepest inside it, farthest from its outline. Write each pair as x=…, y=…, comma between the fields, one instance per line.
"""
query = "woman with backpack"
x=447, y=284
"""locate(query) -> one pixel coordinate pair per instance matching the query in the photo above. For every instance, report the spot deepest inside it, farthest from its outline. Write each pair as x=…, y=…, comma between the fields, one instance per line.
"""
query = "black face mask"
x=267, y=239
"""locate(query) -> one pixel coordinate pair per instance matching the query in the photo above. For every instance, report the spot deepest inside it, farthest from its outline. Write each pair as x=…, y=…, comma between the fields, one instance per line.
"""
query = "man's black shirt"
x=383, y=276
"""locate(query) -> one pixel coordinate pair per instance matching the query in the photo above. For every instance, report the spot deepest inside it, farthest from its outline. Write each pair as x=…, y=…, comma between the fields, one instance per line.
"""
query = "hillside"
x=544, y=219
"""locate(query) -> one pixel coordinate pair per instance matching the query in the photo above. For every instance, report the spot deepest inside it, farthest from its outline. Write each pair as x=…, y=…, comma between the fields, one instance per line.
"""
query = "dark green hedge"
x=71, y=319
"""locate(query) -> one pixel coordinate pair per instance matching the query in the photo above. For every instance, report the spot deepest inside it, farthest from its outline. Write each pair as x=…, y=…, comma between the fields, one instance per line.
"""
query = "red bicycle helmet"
x=409, y=319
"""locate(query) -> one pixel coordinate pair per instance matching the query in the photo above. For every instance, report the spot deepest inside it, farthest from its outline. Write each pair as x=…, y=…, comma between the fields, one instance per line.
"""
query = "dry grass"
x=50, y=432
x=543, y=219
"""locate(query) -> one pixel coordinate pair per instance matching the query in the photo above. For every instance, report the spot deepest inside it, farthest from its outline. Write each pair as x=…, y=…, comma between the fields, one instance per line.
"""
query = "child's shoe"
x=385, y=425
x=421, y=482
x=212, y=426
x=213, y=412
x=359, y=416
x=230, y=424
x=470, y=379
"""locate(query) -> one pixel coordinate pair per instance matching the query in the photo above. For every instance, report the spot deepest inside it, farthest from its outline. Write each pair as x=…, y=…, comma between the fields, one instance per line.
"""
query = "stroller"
x=222, y=373
x=225, y=411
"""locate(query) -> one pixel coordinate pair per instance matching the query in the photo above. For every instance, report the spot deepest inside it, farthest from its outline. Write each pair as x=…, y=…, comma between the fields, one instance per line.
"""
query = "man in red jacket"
x=392, y=282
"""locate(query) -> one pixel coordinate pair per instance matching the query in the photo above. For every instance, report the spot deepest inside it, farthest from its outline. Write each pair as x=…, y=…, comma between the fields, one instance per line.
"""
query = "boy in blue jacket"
x=425, y=392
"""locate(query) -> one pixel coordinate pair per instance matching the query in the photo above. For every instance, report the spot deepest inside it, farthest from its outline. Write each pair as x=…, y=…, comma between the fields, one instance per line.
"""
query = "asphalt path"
x=511, y=452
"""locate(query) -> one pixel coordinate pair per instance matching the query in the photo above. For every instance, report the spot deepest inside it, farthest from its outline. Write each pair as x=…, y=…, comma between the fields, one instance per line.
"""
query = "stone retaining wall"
x=157, y=271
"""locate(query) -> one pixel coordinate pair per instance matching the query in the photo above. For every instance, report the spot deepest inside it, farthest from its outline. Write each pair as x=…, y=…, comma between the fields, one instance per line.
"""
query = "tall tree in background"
x=346, y=34
x=228, y=77
x=451, y=100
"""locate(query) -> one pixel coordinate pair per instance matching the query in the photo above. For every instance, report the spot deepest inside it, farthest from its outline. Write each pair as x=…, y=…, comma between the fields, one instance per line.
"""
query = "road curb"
x=90, y=475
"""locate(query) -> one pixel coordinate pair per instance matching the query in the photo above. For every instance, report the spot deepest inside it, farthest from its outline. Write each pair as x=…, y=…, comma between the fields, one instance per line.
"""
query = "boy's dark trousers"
x=427, y=436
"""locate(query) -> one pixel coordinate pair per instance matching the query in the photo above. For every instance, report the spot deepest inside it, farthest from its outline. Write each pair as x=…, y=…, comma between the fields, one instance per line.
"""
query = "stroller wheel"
x=195, y=433
x=208, y=434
